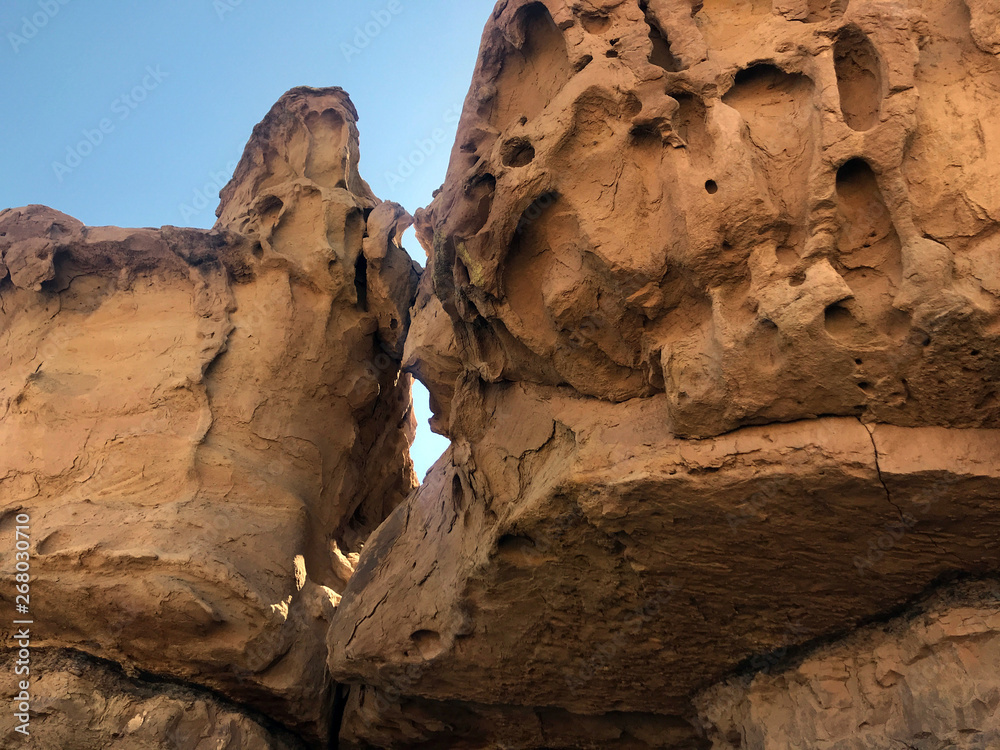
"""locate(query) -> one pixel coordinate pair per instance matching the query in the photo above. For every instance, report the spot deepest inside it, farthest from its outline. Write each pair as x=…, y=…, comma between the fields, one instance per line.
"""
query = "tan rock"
x=82, y=704
x=986, y=24
x=750, y=211
x=191, y=419
x=711, y=318
x=928, y=679
x=571, y=554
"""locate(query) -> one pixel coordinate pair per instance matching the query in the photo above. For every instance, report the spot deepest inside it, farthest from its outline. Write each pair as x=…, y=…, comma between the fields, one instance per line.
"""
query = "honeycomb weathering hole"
x=518, y=153
x=660, y=53
x=542, y=58
x=595, y=23
x=859, y=78
x=840, y=322
x=428, y=643
x=519, y=551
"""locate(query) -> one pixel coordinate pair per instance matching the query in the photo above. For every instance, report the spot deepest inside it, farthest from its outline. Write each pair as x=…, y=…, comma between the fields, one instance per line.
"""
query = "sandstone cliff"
x=710, y=317
x=191, y=418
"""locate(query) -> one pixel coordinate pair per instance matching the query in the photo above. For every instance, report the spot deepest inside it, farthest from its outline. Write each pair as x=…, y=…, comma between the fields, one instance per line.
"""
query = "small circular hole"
x=712, y=187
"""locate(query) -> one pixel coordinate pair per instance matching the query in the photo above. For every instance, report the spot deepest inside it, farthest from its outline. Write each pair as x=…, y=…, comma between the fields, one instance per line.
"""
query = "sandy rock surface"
x=190, y=417
x=710, y=317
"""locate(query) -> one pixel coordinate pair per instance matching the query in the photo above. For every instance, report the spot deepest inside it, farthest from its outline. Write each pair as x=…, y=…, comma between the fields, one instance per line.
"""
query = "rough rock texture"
x=928, y=680
x=191, y=418
x=752, y=216
x=711, y=318
x=82, y=704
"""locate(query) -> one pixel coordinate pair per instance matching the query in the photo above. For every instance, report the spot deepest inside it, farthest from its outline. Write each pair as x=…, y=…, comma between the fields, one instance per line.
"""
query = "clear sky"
x=207, y=71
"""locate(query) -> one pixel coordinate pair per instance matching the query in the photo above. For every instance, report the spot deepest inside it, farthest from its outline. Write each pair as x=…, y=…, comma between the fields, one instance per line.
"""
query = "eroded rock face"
x=191, y=418
x=744, y=210
x=85, y=704
x=928, y=680
x=711, y=318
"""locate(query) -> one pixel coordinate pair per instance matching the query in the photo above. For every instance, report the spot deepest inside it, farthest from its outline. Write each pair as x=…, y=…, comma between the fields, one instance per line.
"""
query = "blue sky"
x=207, y=71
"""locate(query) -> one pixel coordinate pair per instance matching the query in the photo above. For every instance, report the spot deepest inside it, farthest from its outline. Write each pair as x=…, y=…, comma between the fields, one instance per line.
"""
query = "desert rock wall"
x=190, y=418
x=710, y=317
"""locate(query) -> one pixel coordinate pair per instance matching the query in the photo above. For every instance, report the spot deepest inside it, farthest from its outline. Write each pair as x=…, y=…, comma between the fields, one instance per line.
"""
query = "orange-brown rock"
x=191, y=418
x=711, y=318
x=924, y=680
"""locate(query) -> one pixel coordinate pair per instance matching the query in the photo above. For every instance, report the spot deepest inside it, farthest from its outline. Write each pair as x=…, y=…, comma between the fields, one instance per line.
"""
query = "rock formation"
x=710, y=317
x=928, y=680
x=191, y=418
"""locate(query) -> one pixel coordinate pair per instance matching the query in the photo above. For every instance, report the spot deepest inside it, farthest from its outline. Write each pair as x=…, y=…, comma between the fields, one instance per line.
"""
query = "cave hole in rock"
x=534, y=72
x=519, y=551
x=660, y=53
x=428, y=643
x=859, y=78
x=595, y=23
x=457, y=493
x=361, y=281
x=840, y=321
x=869, y=250
x=480, y=192
x=518, y=152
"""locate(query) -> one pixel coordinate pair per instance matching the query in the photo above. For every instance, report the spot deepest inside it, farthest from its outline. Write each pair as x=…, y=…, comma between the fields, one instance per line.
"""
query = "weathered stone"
x=711, y=317
x=191, y=418
x=925, y=680
x=80, y=703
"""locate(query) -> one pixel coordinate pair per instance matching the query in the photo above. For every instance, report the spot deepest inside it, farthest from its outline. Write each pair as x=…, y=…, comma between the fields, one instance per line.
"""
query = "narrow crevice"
x=341, y=693
x=361, y=281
